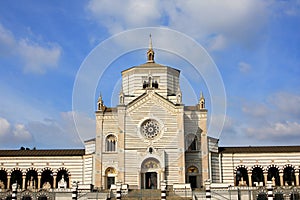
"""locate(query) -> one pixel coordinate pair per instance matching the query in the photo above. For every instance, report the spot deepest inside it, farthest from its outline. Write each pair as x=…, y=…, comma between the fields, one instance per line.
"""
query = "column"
x=297, y=177
x=158, y=180
x=234, y=177
x=39, y=182
x=139, y=177
x=8, y=182
x=70, y=181
x=281, y=178
x=54, y=180
x=163, y=175
x=250, y=179
x=207, y=190
x=23, y=181
x=265, y=178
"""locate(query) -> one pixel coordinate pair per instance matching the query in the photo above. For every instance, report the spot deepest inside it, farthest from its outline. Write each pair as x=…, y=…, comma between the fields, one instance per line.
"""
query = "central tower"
x=147, y=137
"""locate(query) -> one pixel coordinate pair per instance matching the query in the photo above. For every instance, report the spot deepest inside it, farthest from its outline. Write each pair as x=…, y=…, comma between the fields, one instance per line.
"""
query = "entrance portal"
x=193, y=181
x=110, y=181
x=151, y=180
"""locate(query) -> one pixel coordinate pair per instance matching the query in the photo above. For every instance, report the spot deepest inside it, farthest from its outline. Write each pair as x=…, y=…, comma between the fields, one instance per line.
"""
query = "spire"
x=178, y=96
x=100, y=103
x=150, y=52
x=121, y=97
x=201, y=101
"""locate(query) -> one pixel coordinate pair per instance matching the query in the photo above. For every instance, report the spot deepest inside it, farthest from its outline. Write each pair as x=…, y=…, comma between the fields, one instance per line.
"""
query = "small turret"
x=150, y=52
x=100, y=104
x=178, y=96
x=121, y=97
x=201, y=103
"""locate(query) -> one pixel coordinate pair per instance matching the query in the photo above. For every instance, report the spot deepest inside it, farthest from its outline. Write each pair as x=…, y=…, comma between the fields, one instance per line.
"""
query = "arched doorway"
x=110, y=174
x=192, y=174
x=150, y=175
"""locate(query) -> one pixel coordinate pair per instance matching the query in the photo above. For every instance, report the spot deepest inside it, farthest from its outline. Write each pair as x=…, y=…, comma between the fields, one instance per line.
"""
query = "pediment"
x=153, y=98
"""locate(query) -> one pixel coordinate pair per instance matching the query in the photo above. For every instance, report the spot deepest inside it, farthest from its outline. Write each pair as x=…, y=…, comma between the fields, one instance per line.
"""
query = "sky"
x=44, y=45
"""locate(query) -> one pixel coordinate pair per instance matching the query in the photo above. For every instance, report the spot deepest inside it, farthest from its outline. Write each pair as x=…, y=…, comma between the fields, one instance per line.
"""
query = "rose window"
x=150, y=129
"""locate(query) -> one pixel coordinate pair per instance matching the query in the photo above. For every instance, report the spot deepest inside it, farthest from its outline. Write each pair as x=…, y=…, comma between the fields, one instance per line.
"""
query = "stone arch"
x=241, y=175
x=110, y=174
x=257, y=175
x=150, y=173
x=289, y=175
x=42, y=195
x=26, y=195
x=63, y=177
x=150, y=163
x=16, y=177
x=273, y=174
x=31, y=180
x=193, y=176
x=47, y=178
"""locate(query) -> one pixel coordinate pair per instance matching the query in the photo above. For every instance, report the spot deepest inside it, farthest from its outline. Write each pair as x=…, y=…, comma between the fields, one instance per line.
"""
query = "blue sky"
x=254, y=44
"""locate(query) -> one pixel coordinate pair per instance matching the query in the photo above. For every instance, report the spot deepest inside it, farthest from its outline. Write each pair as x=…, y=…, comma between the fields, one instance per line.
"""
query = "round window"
x=150, y=129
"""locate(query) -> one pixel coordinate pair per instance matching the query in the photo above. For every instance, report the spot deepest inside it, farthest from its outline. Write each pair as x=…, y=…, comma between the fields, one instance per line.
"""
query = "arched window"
x=111, y=142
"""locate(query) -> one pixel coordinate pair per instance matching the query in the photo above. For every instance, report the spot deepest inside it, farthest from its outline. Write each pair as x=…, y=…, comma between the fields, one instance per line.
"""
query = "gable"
x=153, y=100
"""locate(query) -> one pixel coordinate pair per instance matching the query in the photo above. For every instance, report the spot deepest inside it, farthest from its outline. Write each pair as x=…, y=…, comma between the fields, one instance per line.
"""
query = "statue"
x=62, y=183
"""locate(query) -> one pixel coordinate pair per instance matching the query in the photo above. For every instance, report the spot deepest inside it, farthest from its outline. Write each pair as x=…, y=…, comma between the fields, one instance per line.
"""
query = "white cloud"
x=275, y=119
x=244, y=67
x=275, y=130
x=217, y=43
x=79, y=124
x=21, y=133
x=4, y=126
x=16, y=134
x=255, y=109
x=119, y=15
x=286, y=103
x=227, y=21
x=36, y=58
x=7, y=41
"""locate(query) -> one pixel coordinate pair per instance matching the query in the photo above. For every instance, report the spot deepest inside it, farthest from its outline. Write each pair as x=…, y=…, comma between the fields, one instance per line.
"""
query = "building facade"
x=149, y=137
